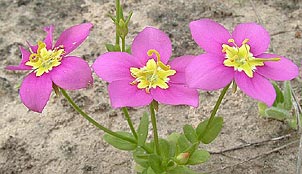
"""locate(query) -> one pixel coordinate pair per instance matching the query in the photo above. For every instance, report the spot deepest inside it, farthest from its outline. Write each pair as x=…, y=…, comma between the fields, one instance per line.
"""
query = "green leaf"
x=113, y=48
x=172, y=139
x=287, y=96
x=120, y=143
x=198, y=157
x=207, y=136
x=190, y=133
x=279, y=94
x=182, y=144
x=261, y=108
x=164, y=149
x=292, y=123
x=142, y=131
x=141, y=158
x=150, y=171
x=155, y=162
x=181, y=170
x=277, y=113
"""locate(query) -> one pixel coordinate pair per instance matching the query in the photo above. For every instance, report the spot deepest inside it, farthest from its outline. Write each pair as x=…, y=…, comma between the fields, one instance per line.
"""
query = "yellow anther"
x=44, y=60
x=242, y=59
x=154, y=74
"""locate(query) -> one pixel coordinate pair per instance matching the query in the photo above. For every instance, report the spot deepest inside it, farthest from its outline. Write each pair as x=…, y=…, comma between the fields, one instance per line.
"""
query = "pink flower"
x=238, y=56
x=137, y=79
x=50, y=65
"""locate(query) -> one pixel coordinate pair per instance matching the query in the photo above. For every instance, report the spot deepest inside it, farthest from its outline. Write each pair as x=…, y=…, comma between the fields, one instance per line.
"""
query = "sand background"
x=60, y=141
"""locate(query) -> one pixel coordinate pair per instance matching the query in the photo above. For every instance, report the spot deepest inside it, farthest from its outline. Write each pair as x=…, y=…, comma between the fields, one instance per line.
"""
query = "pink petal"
x=35, y=91
x=209, y=35
x=176, y=95
x=179, y=64
x=257, y=87
x=259, y=38
x=113, y=66
x=152, y=38
x=207, y=72
x=21, y=66
x=73, y=73
x=72, y=37
x=48, y=39
x=281, y=70
x=123, y=94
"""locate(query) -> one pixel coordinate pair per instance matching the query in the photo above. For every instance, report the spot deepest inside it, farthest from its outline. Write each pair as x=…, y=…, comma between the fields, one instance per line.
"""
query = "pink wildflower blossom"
x=50, y=66
x=238, y=56
x=137, y=79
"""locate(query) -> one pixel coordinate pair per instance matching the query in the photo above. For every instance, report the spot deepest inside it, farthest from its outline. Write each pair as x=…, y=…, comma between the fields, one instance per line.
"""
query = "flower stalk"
x=153, y=121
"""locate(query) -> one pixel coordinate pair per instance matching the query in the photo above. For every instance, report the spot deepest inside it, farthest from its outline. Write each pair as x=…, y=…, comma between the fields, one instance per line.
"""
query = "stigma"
x=44, y=60
x=153, y=74
x=242, y=59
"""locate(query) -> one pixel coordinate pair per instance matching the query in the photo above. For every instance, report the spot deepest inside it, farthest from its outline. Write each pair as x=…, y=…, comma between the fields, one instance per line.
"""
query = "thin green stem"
x=215, y=109
x=153, y=121
x=117, y=37
x=91, y=120
x=123, y=44
x=126, y=113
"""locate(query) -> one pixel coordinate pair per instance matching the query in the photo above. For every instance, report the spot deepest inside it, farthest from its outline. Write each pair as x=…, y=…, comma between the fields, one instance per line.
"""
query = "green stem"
x=117, y=37
x=123, y=44
x=153, y=121
x=91, y=120
x=126, y=113
x=215, y=109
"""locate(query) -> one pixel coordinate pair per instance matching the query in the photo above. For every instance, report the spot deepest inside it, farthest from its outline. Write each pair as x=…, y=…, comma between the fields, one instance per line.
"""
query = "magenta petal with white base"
x=209, y=35
x=151, y=38
x=257, y=87
x=176, y=94
x=35, y=91
x=258, y=37
x=72, y=37
x=21, y=66
x=281, y=70
x=114, y=66
x=73, y=73
x=122, y=94
x=207, y=72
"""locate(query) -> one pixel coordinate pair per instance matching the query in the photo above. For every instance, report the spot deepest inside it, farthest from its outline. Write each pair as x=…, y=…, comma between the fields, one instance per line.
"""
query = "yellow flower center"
x=44, y=60
x=153, y=74
x=242, y=59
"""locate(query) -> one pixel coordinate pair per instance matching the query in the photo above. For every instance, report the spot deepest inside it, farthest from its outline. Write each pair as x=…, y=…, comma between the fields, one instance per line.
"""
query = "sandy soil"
x=61, y=141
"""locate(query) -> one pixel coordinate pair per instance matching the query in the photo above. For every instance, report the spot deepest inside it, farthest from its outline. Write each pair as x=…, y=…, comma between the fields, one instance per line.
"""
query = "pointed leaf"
x=164, y=149
x=120, y=143
x=208, y=135
x=150, y=171
x=182, y=144
x=173, y=139
x=142, y=131
x=198, y=157
x=141, y=158
x=287, y=96
x=279, y=94
x=277, y=113
x=190, y=133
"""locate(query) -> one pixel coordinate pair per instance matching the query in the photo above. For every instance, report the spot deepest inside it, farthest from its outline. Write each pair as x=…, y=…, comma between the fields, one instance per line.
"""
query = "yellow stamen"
x=44, y=60
x=154, y=74
x=242, y=59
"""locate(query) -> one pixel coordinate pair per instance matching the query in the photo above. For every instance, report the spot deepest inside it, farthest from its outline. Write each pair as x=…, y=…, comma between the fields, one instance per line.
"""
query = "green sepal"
x=288, y=104
x=279, y=94
x=113, y=48
x=190, y=133
x=277, y=113
x=128, y=49
x=207, y=136
x=120, y=143
x=198, y=157
x=292, y=123
x=142, y=131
